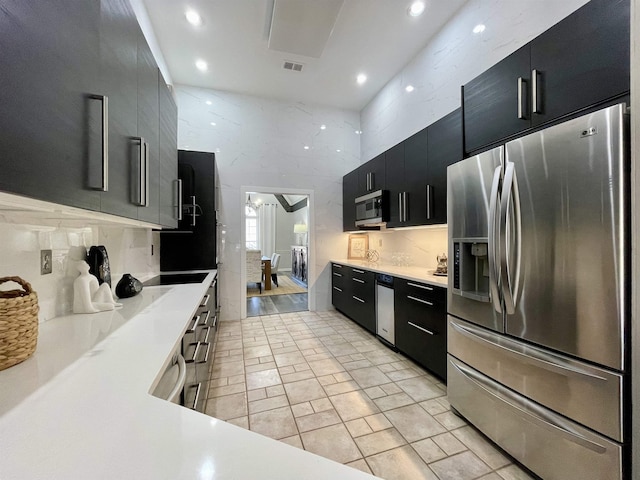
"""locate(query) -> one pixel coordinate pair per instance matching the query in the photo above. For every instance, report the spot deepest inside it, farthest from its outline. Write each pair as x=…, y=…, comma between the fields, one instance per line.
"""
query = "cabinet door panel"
x=168, y=153
x=118, y=74
x=416, y=159
x=583, y=60
x=490, y=102
x=349, y=194
x=374, y=170
x=148, y=125
x=49, y=65
x=395, y=181
x=444, y=148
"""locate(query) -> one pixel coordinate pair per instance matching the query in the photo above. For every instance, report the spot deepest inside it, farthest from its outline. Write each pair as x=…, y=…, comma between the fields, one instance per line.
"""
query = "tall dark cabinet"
x=193, y=245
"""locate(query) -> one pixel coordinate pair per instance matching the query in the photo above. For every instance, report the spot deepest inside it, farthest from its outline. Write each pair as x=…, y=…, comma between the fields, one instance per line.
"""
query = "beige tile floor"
x=318, y=381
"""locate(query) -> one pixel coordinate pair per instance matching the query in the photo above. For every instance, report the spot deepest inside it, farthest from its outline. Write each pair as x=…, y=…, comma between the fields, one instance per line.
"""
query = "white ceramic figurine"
x=88, y=295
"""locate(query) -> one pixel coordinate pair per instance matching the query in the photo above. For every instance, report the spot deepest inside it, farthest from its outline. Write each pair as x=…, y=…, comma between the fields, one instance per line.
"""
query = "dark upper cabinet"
x=119, y=81
x=577, y=64
x=148, y=130
x=581, y=61
x=349, y=194
x=495, y=104
x=371, y=175
x=57, y=90
x=49, y=67
x=416, y=178
x=168, y=156
x=395, y=182
x=444, y=147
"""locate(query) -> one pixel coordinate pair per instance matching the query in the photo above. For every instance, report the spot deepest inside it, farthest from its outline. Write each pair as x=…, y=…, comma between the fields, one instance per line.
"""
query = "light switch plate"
x=46, y=262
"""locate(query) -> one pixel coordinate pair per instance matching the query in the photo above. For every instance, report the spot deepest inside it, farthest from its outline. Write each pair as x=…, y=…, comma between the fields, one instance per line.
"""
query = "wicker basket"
x=18, y=323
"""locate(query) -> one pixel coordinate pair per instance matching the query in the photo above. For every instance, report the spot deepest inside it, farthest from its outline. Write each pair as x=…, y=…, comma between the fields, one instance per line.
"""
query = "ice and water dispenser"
x=471, y=268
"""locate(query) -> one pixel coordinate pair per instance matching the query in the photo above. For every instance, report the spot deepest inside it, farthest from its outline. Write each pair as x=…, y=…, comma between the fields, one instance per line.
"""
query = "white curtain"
x=267, y=214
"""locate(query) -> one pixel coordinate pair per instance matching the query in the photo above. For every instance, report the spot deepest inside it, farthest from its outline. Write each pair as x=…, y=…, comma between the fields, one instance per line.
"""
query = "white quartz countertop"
x=80, y=407
x=417, y=274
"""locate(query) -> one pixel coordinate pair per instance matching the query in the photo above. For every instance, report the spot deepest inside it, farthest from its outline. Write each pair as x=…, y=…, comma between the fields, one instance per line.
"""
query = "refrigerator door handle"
x=509, y=190
x=493, y=271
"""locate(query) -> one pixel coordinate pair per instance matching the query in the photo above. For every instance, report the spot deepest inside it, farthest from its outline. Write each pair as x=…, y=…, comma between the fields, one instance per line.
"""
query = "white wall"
x=451, y=59
x=259, y=143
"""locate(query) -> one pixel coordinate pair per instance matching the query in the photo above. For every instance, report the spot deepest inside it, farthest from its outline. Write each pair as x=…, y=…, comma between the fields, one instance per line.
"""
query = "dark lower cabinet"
x=421, y=324
x=353, y=293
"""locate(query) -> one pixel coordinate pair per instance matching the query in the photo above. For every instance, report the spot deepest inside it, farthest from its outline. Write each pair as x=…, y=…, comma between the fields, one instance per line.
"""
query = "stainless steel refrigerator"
x=538, y=296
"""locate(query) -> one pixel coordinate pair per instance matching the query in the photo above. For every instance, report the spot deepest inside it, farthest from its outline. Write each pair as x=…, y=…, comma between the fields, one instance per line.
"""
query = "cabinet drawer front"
x=590, y=395
x=426, y=346
x=422, y=291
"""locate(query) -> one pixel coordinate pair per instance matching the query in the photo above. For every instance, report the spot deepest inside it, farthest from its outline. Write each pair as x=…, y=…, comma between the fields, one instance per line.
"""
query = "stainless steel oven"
x=372, y=209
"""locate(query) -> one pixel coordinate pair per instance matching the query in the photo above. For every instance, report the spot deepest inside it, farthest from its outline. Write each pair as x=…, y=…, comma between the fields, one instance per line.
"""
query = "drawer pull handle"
x=358, y=299
x=358, y=271
x=206, y=354
x=195, y=352
x=205, y=300
x=420, y=300
x=338, y=289
x=206, y=318
x=424, y=287
x=196, y=321
x=420, y=328
x=358, y=280
x=337, y=266
x=337, y=274
x=195, y=400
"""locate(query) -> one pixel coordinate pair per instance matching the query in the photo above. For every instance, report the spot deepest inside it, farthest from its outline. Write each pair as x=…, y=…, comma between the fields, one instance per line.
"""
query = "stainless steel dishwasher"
x=385, y=310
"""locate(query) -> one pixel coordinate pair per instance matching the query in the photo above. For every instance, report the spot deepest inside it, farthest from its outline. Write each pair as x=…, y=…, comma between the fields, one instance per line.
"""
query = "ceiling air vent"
x=296, y=67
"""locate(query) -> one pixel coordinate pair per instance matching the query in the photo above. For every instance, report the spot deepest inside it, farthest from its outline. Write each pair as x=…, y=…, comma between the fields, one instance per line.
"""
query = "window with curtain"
x=251, y=221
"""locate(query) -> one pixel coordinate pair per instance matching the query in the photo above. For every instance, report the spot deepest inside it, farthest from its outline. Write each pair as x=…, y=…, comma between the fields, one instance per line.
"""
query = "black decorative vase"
x=128, y=286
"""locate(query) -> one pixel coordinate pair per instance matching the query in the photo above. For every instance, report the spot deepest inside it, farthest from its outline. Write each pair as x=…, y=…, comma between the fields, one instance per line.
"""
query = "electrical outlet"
x=46, y=262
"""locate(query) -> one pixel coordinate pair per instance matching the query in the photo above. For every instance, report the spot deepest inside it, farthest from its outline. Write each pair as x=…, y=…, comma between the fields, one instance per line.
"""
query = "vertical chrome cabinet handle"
x=400, y=207
x=493, y=250
x=405, y=202
x=521, y=86
x=105, y=140
x=178, y=204
x=143, y=173
x=193, y=212
x=509, y=189
x=534, y=92
x=429, y=202
x=146, y=175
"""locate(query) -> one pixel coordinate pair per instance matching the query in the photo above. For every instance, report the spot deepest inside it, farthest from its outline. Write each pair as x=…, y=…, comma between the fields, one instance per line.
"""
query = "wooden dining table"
x=266, y=263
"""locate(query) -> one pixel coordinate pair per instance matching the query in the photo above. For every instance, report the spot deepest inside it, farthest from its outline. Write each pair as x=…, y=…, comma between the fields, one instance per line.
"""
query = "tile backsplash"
x=420, y=246
x=129, y=251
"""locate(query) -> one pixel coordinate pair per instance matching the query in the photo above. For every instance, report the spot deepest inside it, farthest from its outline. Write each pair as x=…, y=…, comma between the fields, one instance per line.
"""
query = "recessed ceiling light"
x=209, y=102
x=193, y=18
x=338, y=150
x=409, y=88
x=358, y=132
x=361, y=78
x=479, y=28
x=416, y=9
x=202, y=65
x=323, y=127
x=306, y=147
x=213, y=124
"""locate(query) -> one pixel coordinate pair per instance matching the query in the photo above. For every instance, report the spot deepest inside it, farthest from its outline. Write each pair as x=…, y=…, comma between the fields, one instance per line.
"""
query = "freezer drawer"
x=550, y=445
x=589, y=395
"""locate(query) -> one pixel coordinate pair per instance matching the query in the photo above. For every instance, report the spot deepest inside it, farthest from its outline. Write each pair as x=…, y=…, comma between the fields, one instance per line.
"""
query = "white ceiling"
x=375, y=37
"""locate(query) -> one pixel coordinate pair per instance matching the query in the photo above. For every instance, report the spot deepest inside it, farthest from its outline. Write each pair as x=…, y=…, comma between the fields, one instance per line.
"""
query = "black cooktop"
x=175, y=279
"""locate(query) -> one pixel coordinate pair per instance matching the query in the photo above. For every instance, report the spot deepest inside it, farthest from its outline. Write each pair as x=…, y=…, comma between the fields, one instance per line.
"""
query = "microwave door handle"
x=493, y=244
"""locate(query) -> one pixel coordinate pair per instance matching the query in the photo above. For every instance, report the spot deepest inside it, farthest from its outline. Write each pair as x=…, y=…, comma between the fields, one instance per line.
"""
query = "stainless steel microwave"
x=372, y=209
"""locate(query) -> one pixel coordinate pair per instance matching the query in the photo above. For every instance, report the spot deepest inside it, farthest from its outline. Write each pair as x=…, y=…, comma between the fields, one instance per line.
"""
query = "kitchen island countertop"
x=80, y=407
